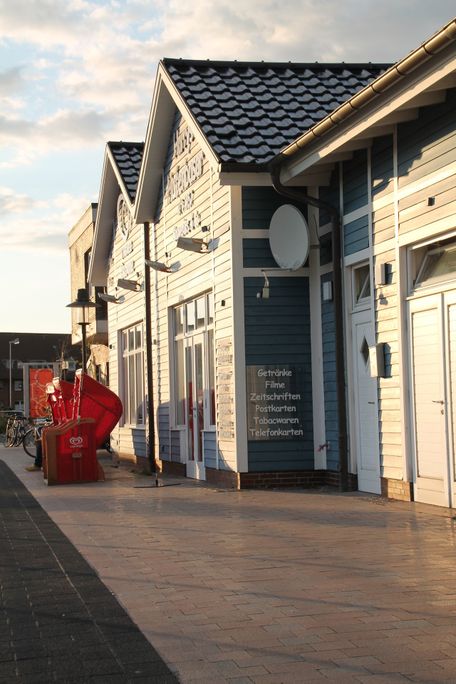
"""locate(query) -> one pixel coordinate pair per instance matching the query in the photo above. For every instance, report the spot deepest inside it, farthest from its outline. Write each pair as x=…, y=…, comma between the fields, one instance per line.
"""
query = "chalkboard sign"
x=275, y=407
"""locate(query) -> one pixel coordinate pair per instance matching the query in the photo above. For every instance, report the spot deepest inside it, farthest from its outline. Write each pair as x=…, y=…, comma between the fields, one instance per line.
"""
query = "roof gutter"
x=401, y=69
x=303, y=197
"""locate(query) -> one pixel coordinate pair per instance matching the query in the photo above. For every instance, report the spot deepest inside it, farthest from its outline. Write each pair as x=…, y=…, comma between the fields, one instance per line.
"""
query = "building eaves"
x=373, y=90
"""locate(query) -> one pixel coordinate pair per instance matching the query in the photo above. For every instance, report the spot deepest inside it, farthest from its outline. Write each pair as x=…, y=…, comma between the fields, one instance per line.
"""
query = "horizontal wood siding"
x=257, y=253
x=210, y=449
x=355, y=182
x=195, y=275
x=277, y=331
x=356, y=235
x=331, y=195
x=382, y=168
x=429, y=143
x=128, y=441
x=330, y=381
x=258, y=206
x=175, y=445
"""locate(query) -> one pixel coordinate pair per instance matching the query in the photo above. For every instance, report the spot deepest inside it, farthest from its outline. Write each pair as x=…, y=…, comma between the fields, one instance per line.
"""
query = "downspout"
x=303, y=197
x=150, y=433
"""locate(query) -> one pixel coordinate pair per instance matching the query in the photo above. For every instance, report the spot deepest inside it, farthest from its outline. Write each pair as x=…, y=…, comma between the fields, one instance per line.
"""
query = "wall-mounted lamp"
x=132, y=285
x=327, y=291
x=193, y=245
x=160, y=266
x=111, y=299
x=264, y=292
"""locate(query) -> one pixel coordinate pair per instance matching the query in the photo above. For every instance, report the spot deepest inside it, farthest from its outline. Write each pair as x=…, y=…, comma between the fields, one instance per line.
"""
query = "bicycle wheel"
x=9, y=434
x=29, y=443
x=18, y=434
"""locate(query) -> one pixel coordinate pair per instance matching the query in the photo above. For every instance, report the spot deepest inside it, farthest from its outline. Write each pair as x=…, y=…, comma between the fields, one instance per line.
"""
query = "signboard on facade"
x=38, y=379
x=275, y=407
x=225, y=389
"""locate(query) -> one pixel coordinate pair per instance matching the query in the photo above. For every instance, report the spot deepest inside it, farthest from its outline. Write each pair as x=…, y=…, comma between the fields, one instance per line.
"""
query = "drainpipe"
x=150, y=434
x=304, y=198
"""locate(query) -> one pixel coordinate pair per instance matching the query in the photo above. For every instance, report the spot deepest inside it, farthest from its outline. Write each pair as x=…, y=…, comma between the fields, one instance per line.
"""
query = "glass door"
x=194, y=362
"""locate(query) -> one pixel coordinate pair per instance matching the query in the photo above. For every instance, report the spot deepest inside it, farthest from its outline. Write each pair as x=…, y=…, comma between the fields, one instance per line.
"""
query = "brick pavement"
x=258, y=587
x=58, y=622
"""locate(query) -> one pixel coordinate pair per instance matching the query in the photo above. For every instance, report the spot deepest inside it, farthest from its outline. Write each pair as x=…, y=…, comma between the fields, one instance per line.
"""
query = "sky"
x=77, y=73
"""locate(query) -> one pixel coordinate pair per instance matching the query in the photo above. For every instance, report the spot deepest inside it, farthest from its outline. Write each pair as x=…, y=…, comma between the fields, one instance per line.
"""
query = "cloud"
x=31, y=225
x=11, y=202
x=11, y=81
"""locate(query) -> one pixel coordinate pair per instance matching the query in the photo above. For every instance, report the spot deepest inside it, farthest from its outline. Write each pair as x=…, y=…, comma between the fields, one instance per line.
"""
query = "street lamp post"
x=83, y=302
x=15, y=341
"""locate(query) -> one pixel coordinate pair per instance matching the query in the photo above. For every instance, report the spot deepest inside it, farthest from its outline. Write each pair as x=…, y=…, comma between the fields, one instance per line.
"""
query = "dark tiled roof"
x=128, y=157
x=249, y=111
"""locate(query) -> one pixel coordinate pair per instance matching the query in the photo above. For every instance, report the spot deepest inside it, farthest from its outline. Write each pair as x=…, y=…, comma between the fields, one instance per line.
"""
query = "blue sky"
x=76, y=73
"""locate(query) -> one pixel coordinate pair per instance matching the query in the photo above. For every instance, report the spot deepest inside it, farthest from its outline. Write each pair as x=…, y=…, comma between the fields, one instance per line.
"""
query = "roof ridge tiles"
x=279, y=65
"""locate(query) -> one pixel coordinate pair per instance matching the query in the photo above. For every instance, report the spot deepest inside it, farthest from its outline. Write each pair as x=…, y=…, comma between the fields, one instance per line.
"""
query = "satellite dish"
x=289, y=237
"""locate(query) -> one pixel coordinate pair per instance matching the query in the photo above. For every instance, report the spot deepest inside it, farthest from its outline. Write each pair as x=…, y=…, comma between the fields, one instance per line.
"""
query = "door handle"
x=371, y=402
x=438, y=401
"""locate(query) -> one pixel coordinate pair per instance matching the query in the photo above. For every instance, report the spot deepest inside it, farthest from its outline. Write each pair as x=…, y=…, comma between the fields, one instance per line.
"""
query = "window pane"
x=200, y=312
x=179, y=390
x=131, y=340
x=438, y=264
x=125, y=401
x=211, y=383
x=179, y=320
x=124, y=341
x=210, y=308
x=362, y=283
x=139, y=391
x=190, y=316
x=138, y=334
x=131, y=393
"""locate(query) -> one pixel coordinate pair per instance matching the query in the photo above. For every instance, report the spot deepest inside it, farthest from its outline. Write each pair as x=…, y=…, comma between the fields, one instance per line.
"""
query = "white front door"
x=365, y=443
x=195, y=384
x=432, y=325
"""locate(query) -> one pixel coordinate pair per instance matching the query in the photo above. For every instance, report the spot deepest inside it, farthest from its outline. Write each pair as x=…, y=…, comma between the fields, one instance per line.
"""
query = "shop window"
x=133, y=376
x=193, y=349
x=361, y=284
x=433, y=263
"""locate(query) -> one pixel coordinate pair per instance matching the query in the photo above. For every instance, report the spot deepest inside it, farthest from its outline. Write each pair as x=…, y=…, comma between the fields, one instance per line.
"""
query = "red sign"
x=38, y=379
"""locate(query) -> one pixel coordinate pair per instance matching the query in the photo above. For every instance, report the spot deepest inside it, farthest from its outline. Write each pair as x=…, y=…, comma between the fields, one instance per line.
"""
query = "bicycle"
x=16, y=427
x=33, y=436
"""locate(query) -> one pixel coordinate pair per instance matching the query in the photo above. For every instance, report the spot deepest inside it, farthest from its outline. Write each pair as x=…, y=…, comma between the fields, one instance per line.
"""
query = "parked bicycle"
x=33, y=436
x=16, y=427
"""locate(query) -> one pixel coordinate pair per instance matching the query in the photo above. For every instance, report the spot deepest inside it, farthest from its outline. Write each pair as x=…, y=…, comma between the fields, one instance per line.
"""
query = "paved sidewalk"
x=58, y=622
x=269, y=587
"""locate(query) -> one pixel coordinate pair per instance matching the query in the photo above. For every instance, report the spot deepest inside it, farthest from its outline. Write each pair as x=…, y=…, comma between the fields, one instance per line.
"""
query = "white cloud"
x=30, y=225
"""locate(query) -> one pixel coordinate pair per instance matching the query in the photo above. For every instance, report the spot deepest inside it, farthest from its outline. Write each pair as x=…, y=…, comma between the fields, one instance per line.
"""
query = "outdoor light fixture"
x=264, y=292
x=160, y=266
x=193, y=245
x=83, y=302
x=15, y=341
x=111, y=299
x=132, y=285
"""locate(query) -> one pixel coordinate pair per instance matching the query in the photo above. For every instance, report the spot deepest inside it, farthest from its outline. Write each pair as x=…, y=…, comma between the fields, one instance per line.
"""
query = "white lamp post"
x=15, y=341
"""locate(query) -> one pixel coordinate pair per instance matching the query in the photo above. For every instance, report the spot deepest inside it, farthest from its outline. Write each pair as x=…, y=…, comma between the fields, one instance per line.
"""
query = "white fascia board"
x=396, y=97
x=98, y=270
x=166, y=99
